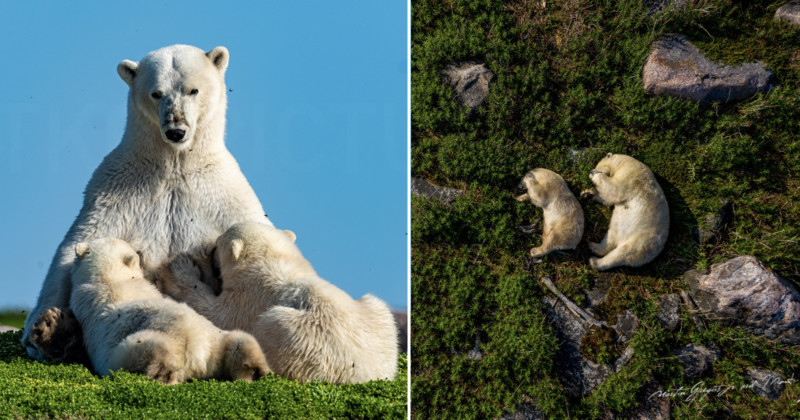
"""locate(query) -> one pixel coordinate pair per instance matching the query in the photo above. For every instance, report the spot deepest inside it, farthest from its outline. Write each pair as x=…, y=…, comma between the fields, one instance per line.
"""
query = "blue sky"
x=317, y=119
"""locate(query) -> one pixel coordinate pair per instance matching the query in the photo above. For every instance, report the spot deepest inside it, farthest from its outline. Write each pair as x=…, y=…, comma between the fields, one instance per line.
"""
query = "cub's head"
x=177, y=88
x=543, y=186
x=107, y=255
x=256, y=244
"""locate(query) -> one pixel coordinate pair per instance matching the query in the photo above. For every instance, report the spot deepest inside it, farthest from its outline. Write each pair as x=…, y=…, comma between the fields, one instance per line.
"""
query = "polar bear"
x=170, y=186
x=128, y=324
x=563, y=216
x=308, y=328
x=640, y=221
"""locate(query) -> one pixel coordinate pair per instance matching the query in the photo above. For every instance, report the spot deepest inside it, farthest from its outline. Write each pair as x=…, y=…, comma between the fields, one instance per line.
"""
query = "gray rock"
x=401, y=319
x=578, y=375
x=789, y=12
x=598, y=293
x=715, y=225
x=655, y=405
x=526, y=411
x=696, y=359
x=743, y=292
x=675, y=67
x=426, y=189
x=655, y=6
x=765, y=382
x=471, y=82
x=5, y=328
x=670, y=311
x=627, y=324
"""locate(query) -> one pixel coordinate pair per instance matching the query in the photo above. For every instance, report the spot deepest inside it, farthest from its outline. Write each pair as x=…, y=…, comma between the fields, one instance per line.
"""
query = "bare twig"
x=575, y=309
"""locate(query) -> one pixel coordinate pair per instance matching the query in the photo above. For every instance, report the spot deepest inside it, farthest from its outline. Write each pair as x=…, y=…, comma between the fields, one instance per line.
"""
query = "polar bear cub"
x=308, y=328
x=640, y=221
x=129, y=325
x=563, y=216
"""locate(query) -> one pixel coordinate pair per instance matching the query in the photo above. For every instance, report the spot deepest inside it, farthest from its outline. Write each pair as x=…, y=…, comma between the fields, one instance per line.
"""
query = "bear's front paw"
x=590, y=193
x=58, y=335
x=595, y=264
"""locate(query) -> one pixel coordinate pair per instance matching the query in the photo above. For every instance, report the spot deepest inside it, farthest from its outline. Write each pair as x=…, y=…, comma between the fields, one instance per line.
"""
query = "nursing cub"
x=128, y=324
x=308, y=328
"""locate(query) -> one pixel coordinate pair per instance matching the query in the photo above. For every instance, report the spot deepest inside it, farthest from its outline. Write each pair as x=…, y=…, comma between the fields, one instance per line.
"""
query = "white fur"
x=308, y=328
x=162, y=197
x=639, y=224
x=129, y=325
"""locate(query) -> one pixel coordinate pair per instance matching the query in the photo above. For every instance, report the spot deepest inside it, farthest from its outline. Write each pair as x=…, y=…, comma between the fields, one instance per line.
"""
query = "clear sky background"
x=317, y=119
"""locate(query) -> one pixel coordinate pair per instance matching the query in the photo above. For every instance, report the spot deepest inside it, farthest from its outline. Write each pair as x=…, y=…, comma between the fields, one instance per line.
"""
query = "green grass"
x=13, y=317
x=30, y=389
x=568, y=76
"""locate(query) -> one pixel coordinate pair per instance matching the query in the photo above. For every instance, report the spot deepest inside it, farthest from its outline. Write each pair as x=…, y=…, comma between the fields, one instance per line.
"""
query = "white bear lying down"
x=308, y=328
x=129, y=325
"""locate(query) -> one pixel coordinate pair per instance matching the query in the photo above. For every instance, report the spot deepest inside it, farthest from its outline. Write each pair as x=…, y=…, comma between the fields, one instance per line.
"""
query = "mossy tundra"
x=567, y=90
x=30, y=389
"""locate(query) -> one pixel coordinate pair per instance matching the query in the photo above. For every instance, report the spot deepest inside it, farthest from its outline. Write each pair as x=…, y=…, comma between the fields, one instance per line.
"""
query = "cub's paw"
x=163, y=370
x=58, y=335
x=590, y=193
x=184, y=268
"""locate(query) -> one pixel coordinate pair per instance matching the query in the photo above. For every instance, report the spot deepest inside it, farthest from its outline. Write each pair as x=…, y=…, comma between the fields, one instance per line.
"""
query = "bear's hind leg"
x=243, y=358
x=634, y=252
x=151, y=353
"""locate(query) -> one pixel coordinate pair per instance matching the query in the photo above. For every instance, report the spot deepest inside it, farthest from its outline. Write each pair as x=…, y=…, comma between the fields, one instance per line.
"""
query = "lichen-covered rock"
x=655, y=405
x=471, y=82
x=675, y=67
x=765, y=382
x=696, y=359
x=424, y=188
x=670, y=311
x=627, y=324
x=743, y=292
x=789, y=12
x=598, y=293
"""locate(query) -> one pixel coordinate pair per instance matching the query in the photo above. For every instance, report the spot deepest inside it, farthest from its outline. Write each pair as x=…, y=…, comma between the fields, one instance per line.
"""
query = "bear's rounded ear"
x=127, y=71
x=219, y=57
x=609, y=155
x=128, y=260
x=291, y=235
x=81, y=249
x=237, y=246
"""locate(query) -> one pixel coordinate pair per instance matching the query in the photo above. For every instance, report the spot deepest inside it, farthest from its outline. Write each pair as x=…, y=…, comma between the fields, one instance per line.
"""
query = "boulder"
x=675, y=67
x=743, y=292
x=424, y=188
x=789, y=12
x=765, y=382
x=471, y=82
x=696, y=359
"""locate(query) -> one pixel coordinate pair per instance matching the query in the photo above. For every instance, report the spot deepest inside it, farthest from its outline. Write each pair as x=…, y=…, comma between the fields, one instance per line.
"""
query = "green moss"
x=567, y=90
x=30, y=389
x=599, y=345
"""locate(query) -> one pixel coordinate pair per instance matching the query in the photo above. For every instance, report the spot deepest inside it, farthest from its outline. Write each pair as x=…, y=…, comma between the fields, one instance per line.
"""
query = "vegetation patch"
x=567, y=90
x=31, y=389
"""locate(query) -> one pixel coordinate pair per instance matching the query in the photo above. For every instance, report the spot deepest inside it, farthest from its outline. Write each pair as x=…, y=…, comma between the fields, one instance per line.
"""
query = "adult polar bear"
x=170, y=186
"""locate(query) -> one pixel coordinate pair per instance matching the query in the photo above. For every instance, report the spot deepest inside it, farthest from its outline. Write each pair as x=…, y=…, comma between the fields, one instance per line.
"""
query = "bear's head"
x=110, y=256
x=177, y=89
x=249, y=244
x=543, y=186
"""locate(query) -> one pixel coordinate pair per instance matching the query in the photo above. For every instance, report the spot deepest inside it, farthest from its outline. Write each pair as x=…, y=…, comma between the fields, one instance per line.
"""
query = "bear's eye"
x=156, y=95
x=194, y=92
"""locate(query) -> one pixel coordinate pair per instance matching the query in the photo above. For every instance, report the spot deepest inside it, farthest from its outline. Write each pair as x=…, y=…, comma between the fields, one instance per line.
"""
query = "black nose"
x=175, y=135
